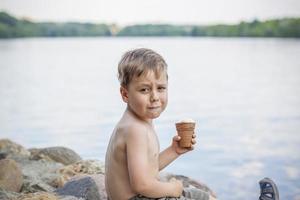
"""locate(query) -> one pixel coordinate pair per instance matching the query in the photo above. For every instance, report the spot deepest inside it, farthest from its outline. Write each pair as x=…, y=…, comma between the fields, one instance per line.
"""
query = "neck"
x=134, y=115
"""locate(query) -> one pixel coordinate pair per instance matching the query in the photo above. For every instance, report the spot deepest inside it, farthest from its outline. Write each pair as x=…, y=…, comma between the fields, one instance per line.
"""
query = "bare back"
x=119, y=161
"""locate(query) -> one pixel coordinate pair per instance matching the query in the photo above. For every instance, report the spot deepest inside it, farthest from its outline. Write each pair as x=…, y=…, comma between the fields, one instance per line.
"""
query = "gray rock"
x=90, y=187
x=62, y=155
x=40, y=179
x=70, y=198
x=99, y=179
x=7, y=147
x=38, y=174
x=3, y=155
x=187, y=182
x=11, y=178
x=8, y=195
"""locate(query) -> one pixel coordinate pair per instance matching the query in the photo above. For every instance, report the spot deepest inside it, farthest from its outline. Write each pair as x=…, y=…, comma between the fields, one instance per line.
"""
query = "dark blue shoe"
x=268, y=190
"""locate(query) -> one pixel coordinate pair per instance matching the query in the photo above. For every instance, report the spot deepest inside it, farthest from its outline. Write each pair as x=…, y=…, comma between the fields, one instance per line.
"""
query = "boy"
x=133, y=158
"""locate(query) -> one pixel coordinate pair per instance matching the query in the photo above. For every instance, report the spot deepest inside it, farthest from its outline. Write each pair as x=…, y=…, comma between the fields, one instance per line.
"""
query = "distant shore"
x=12, y=27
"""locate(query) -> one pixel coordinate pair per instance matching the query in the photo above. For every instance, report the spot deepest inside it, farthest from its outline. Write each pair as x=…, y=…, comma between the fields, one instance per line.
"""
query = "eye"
x=162, y=88
x=144, y=90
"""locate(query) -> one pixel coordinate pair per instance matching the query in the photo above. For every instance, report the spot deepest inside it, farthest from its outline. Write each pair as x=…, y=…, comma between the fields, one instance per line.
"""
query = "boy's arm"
x=141, y=178
x=166, y=157
x=173, y=152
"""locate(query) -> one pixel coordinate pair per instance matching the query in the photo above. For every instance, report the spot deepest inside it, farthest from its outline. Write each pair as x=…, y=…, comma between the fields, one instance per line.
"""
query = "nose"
x=154, y=96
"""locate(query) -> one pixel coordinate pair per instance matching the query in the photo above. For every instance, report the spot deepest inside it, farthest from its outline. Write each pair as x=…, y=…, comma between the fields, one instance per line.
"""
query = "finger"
x=194, y=141
x=194, y=136
x=176, y=138
x=192, y=147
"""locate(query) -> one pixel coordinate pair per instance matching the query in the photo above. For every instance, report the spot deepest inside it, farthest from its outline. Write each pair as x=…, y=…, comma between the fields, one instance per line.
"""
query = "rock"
x=37, y=196
x=57, y=173
x=62, y=155
x=7, y=195
x=70, y=198
x=187, y=182
x=45, y=196
x=3, y=155
x=89, y=187
x=39, y=175
x=85, y=167
x=81, y=167
x=99, y=180
x=10, y=175
x=8, y=147
x=37, y=155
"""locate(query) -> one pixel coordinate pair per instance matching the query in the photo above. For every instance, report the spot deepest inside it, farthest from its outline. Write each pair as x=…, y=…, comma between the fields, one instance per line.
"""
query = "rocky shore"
x=56, y=173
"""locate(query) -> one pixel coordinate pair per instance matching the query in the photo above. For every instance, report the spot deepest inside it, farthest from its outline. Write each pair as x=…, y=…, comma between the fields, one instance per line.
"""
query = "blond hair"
x=140, y=61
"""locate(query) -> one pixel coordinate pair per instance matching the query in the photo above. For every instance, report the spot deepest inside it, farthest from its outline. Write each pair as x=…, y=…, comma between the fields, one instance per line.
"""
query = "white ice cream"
x=187, y=121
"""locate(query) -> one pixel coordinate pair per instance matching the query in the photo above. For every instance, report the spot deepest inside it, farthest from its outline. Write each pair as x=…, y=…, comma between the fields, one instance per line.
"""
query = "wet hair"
x=137, y=62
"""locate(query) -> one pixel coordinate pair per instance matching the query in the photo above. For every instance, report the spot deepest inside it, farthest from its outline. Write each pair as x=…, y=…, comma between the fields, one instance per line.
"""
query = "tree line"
x=11, y=27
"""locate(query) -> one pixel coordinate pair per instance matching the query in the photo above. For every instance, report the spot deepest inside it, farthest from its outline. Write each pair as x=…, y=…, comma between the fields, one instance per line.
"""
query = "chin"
x=154, y=116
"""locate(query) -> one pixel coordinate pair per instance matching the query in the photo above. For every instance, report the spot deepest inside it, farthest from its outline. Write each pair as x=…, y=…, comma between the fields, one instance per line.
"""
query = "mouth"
x=154, y=107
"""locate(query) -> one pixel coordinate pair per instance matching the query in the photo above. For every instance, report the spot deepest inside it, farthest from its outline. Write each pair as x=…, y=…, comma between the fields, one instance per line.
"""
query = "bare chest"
x=153, y=148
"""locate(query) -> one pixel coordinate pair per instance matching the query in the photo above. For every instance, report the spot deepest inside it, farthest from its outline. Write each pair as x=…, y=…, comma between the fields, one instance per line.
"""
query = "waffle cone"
x=185, y=130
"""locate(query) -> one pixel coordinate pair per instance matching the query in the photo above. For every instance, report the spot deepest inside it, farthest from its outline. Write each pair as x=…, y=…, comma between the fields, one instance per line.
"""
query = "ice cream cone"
x=185, y=130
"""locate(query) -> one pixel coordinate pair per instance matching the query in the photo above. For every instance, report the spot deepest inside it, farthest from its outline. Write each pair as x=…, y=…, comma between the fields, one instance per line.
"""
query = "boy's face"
x=147, y=95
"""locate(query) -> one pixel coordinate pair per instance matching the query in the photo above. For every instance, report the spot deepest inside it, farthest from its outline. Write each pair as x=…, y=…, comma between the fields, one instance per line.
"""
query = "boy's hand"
x=178, y=185
x=180, y=150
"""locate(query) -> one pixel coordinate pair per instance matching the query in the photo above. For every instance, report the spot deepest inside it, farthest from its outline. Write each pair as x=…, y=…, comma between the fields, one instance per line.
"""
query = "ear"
x=124, y=94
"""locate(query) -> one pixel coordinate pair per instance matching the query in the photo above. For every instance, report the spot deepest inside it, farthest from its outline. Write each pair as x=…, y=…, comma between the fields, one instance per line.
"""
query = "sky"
x=126, y=12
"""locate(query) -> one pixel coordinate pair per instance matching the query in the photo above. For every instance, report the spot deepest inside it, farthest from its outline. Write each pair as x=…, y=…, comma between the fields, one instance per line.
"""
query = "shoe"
x=268, y=190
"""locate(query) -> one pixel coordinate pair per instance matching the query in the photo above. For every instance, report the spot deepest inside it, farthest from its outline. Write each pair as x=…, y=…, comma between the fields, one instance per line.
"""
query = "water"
x=243, y=93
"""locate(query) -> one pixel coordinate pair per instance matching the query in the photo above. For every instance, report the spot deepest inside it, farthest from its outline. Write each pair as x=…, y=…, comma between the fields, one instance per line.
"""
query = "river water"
x=243, y=93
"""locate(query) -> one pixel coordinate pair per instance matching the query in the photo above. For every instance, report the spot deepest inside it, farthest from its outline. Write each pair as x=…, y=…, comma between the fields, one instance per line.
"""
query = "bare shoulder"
x=132, y=129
